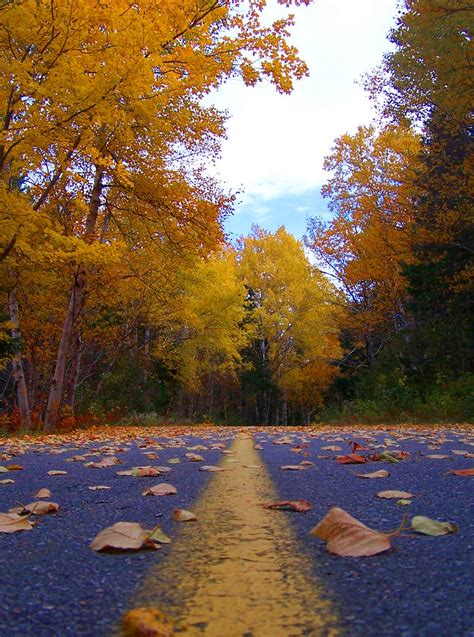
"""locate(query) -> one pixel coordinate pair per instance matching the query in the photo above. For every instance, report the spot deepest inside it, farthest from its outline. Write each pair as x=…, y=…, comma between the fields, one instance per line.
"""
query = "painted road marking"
x=238, y=571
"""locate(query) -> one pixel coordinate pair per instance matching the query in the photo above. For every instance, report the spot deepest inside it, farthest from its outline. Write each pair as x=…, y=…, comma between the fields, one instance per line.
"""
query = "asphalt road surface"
x=240, y=570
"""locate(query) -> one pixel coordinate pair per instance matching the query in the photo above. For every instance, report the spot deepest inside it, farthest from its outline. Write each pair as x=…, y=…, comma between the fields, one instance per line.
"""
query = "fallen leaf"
x=55, y=472
x=375, y=474
x=210, y=467
x=110, y=461
x=427, y=526
x=301, y=506
x=389, y=456
x=351, y=458
x=395, y=494
x=403, y=502
x=3, y=469
x=331, y=448
x=7, y=481
x=145, y=472
x=248, y=466
x=15, y=467
x=463, y=472
x=174, y=461
x=292, y=467
x=357, y=447
x=161, y=489
x=157, y=535
x=307, y=463
x=437, y=456
x=37, y=508
x=347, y=537
x=146, y=622
x=181, y=515
x=11, y=522
x=122, y=535
x=43, y=493
x=99, y=487
x=194, y=457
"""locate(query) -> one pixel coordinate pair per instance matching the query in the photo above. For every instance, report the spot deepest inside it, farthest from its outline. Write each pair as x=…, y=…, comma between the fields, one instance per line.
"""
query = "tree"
x=431, y=64
x=369, y=239
x=294, y=313
x=104, y=130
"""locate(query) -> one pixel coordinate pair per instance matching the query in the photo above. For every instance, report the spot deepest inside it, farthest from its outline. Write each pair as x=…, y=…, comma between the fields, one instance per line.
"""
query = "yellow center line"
x=238, y=571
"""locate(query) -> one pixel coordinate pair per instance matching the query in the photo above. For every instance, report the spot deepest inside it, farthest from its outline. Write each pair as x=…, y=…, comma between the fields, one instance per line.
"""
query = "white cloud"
x=276, y=143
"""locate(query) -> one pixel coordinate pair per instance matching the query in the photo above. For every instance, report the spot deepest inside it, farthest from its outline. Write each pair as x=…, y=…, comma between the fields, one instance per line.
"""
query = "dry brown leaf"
x=395, y=494
x=331, y=448
x=301, y=506
x=122, y=535
x=110, y=461
x=181, y=515
x=56, y=472
x=15, y=467
x=7, y=481
x=194, y=457
x=211, y=468
x=12, y=522
x=463, y=472
x=347, y=537
x=161, y=489
x=43, y=493
x=146, y=622
x=437, y=456
x=375, y=474
x=38, y=508
x=351, y=458
x=292, y=467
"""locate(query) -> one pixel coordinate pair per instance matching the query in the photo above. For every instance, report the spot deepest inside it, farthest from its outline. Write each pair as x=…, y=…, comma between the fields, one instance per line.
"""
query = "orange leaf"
x=301, y=506
x=347, y=537
x=351, y=458
x=146, y=621
x=463, y=472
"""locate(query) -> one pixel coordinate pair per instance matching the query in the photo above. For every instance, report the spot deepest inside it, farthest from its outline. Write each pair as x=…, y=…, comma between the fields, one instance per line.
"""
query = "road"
x=240, y=570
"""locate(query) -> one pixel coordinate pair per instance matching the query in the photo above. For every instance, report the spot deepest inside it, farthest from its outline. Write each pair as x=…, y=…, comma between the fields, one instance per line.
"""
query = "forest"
x=122, y=299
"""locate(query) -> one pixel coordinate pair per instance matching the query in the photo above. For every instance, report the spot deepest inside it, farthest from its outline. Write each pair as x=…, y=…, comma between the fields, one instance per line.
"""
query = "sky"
x=276, y=143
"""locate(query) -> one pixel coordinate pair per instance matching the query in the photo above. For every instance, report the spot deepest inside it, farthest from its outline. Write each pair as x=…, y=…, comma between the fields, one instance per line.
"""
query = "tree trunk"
x=53, y=408
x=71, y=385
x=18, y=374
x=284, y=411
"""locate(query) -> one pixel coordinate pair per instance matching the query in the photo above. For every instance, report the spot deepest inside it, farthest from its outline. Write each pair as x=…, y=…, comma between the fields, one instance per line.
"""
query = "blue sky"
x=277, y=143
x=291, y=211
